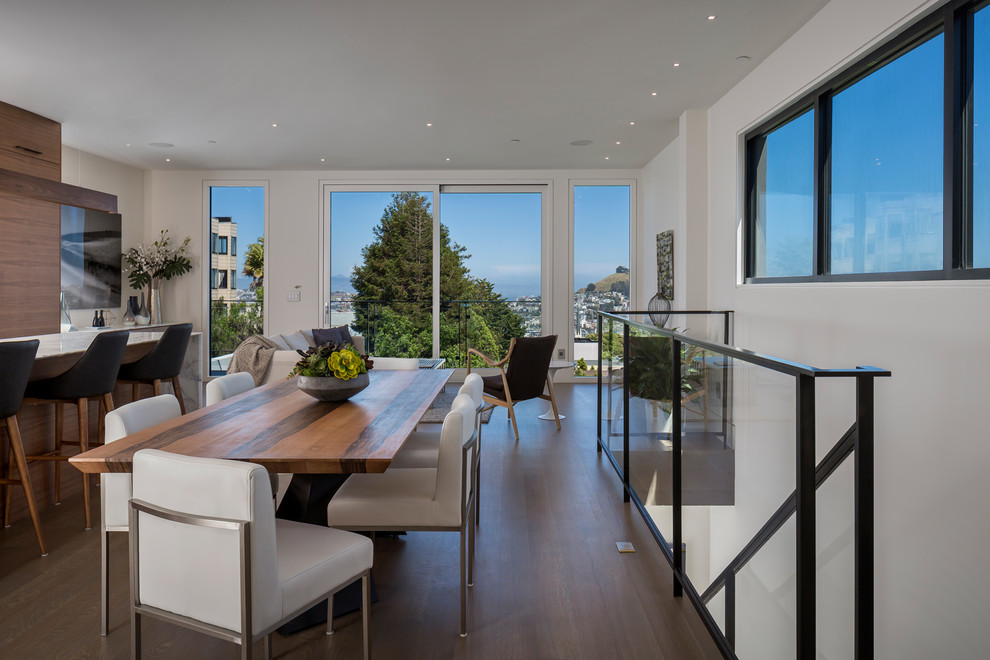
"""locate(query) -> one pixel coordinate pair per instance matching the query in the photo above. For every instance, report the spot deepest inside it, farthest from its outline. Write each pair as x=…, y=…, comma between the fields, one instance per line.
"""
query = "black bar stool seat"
x=92, y=377
x=164, y=362
x=16, y=361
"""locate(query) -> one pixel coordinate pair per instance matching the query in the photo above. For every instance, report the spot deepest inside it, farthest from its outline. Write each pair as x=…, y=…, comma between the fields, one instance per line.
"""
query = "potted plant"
x=149, y=265
x=331, y=372
x=648, y=368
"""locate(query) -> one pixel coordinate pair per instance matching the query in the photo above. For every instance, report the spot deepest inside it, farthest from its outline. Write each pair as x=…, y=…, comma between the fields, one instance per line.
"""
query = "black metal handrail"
x=858, y=440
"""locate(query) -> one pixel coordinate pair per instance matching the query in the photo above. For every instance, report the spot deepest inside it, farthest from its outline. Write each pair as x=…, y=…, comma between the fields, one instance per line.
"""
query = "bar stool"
x=164, y=362
x=92, y=377
x=16, y=360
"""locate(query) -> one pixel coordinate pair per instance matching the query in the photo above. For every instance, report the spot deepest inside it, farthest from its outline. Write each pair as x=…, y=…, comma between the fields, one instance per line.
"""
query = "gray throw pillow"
x=341, y=335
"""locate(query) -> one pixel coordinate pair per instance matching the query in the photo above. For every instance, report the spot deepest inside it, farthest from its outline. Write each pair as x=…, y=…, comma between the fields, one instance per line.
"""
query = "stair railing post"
x=625, y=411
x=675, y=412
x=805, y=516
x=863, y=503
x=601, y=366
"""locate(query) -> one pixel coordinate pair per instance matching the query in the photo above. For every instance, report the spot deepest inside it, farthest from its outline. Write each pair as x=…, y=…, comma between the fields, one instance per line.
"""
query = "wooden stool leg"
x=100, y=416
x=59, y=413
x=7, y=486
x=178, y=394
x=14, y=436
x=106, y=406
x=156, y=386
x=83, y=406
x=135, y=391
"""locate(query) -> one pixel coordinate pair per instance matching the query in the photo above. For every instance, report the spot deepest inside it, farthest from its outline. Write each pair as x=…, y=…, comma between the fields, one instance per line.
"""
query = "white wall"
x=83, y=169
x=176, y=201
x=661, y=211
x=932, y=533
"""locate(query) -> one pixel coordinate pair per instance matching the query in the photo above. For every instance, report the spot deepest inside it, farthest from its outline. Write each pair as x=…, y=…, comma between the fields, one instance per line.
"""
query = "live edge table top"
x=285, y=430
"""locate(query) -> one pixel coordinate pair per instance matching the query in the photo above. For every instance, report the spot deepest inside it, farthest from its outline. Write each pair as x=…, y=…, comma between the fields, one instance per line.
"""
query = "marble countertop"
x=67, y=343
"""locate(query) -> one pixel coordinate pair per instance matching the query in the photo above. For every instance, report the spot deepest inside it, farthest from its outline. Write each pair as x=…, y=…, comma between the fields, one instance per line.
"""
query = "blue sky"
x=501, y=231
x=246, y=206
x=886, y=171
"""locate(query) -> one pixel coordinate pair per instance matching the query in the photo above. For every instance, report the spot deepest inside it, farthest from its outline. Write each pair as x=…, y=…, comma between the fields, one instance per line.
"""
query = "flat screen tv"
x=91, y=249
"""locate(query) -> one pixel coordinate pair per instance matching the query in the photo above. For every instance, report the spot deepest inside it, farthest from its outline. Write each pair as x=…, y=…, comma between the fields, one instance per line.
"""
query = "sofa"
x=286, y=357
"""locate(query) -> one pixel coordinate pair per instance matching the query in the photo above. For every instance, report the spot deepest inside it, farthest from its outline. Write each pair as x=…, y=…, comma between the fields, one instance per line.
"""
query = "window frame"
x=954, y=22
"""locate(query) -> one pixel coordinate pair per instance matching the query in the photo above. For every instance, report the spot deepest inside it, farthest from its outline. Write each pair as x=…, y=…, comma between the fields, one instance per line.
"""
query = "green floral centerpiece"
x=331, y=372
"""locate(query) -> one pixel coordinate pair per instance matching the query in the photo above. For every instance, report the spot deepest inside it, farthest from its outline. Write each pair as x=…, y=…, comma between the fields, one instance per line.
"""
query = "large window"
x=856, y=180
x=432, y=271
x=236, y=281
x=601, y=263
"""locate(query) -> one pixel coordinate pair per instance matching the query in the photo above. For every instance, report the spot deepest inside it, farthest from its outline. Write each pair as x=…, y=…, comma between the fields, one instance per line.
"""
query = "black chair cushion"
x=528, y=366
x=16, y=360
x=494, y=386
x=165, y=359
x=95, y=374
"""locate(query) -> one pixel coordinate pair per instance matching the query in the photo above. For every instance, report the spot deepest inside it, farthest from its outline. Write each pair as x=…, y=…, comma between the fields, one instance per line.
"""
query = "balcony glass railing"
x=716, y=447
x=405, y=329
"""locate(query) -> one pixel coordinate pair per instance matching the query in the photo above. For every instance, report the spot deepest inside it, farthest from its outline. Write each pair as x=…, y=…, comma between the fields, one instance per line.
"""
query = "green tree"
x=397, y=269
x=230, y=324
x=254, y=263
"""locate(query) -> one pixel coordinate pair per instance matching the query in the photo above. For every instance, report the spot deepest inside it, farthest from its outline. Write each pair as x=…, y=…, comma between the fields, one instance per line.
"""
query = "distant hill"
x=606, y=283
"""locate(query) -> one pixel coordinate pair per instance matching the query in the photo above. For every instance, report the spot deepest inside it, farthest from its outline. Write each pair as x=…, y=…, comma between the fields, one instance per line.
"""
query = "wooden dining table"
x=285, y=430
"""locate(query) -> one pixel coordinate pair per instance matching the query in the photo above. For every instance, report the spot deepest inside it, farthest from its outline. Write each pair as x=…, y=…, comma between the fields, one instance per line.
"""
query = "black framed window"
x=896, y=157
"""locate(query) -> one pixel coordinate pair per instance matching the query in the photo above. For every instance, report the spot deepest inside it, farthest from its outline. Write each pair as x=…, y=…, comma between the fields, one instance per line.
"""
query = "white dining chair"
x=394, y=363
x=224, y=387
x=115, y=488
x=422, y=448
x=207, y=552
x=421, y=499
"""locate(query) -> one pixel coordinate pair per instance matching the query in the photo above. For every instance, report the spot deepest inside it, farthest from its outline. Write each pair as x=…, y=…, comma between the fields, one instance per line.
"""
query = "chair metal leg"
x=83, y=412
x=178, y=394
x=471, y=532
x=366, y=612
x=17, y=449
x=135, y=634
x=104, y=577
x=463, y=588
x=330, y=615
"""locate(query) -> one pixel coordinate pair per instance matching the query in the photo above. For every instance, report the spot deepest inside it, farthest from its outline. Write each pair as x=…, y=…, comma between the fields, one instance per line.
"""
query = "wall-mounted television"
x=91, y=249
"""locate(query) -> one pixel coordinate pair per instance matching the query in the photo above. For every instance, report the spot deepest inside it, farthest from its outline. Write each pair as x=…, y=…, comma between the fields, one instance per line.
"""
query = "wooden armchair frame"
x=508, y=401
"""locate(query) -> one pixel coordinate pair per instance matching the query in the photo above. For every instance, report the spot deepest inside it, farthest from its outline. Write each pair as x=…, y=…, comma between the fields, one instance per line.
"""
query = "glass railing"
x=405, y=329
x=716, y=447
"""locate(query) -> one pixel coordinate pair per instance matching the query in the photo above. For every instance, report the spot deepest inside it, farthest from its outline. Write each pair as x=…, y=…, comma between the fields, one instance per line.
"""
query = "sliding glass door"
x=430, y=271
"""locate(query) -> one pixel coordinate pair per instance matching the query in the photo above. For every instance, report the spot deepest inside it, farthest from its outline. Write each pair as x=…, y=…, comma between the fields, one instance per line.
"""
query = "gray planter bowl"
x=328, y=388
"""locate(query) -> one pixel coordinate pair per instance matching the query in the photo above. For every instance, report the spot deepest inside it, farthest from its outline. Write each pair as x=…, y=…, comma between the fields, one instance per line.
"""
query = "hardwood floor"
x=549, y=582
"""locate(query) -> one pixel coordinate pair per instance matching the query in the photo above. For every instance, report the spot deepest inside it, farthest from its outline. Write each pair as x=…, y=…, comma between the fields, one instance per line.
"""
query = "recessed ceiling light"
x=161, y=145
x=168, y=160
x=632, y=123
x=653, y=93
x=429, y=124
x=743, y=58
x=274, y=125
x=617, y=142
x=448, y=159
x=580, y=143
x=676, y=64
x=323, y=160
x=606, y=157
x=128, y=144
x=212, y=141
x=516, y=140
x=711, y=17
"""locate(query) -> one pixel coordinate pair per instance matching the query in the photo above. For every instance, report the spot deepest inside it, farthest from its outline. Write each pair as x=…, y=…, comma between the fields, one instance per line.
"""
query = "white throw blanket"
x=254, y=356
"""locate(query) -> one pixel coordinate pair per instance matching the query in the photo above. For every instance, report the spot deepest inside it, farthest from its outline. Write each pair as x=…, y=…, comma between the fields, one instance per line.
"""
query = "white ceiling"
x=355, y=82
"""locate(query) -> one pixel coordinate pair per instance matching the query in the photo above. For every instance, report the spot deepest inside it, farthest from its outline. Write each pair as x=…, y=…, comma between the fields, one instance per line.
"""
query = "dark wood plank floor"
x=549, y=582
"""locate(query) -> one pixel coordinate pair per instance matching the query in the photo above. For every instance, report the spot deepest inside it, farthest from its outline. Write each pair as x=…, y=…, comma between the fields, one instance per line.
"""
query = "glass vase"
x=155, y=302
x=141, y=317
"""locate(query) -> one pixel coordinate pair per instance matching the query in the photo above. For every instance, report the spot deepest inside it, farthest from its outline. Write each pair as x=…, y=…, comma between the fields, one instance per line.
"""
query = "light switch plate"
x=625, y=546
x=294, y=296
x=560, y=353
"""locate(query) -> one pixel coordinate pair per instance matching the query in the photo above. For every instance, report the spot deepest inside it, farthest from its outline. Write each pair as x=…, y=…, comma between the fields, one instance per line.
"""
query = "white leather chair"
x=115, y=488
x=395, y=363
x=422, y=447
x=421, y=499
x=224, y=387
x=208, y=554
